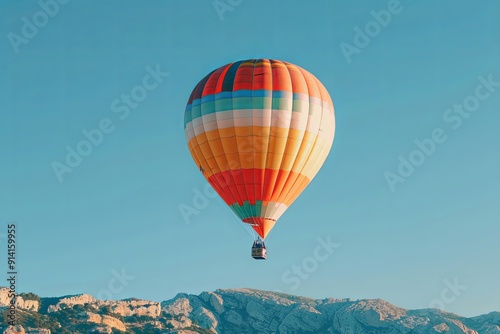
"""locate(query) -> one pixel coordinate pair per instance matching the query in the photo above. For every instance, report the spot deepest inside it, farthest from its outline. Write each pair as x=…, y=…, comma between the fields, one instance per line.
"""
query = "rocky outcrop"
x=71, y=301
x=441, y=328
x=132, y=307
x=113, y=323
x=15, y=330
x=105, y=320
x=20, y=302
x=126, y=307
x=21, y=330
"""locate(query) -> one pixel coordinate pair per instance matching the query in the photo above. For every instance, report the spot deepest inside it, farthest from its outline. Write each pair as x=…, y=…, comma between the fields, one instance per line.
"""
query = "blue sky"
x=117, y=211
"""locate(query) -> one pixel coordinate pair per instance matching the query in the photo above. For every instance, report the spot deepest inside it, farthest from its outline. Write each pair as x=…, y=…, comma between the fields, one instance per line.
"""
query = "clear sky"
x=118, y=208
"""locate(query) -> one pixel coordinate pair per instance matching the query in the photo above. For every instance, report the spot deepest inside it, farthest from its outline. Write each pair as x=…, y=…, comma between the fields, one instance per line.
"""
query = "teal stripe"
x=298, y=104
x=242, y=102
x=258, y=208
x=247, y=210
x=237, y=210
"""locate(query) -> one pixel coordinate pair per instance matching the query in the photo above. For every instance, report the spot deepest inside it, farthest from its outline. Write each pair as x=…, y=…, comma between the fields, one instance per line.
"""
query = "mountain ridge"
x=241, y=310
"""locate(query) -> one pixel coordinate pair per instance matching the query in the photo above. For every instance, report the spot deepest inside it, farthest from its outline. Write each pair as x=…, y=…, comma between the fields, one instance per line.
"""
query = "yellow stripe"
x=286, y=151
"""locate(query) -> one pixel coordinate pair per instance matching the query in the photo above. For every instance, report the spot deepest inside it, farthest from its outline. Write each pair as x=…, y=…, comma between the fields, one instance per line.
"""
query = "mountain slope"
x=234, y=311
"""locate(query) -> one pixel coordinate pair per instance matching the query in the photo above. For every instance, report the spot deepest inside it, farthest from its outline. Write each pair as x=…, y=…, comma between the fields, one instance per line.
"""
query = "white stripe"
x=225, y=123
x=197, y=122
x=188, y=131
x=210, y=126
x=262, y=121
x=274, y=210
x=313, y=122
x=281, y=119
x=265, y=117
x=209, y=117
x=243, y=121
x=245, y=113
x=198, y=130
x=228, y=114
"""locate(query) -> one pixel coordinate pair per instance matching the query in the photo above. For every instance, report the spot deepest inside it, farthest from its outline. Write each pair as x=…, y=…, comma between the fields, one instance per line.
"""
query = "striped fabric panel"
x=259, y=130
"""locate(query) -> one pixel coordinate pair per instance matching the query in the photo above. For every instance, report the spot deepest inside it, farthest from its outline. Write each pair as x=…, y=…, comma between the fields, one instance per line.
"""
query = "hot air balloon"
x=259, y=130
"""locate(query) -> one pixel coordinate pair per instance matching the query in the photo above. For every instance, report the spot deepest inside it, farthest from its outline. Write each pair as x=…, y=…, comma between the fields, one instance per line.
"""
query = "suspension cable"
x=240, y=223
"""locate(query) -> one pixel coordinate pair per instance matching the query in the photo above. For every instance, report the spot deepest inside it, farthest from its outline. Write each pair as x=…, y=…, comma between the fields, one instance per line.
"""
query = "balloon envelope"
x=259, y=130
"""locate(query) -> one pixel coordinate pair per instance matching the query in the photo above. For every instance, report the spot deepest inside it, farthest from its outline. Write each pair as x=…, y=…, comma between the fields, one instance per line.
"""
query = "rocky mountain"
x=232, y=311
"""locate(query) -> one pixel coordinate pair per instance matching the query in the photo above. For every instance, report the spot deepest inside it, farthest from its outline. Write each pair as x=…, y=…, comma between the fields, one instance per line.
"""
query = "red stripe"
x=218, y=89
x=211, y=83
x=234, y=185
x=269, y=182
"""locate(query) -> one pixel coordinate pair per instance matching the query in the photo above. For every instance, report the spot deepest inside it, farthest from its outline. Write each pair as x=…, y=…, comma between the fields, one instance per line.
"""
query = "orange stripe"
x=312, y=84
x=298, y=81
x=281, y=77
x=263, y=78
x=251, y=151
